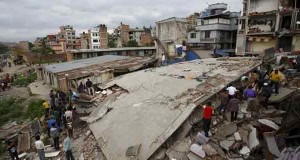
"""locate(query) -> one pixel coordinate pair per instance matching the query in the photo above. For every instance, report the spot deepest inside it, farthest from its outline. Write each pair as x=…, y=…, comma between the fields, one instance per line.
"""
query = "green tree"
x=31, y=45
x=112, y=44
x=3, y=49
x=132, y=43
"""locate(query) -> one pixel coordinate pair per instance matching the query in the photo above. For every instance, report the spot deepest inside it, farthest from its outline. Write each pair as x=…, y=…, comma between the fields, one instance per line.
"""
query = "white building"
x=135, y=34
x=94, y=39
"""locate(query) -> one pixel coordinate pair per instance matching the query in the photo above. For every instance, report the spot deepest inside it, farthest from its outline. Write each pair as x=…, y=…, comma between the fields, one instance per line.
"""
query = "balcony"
x=212, y=27
x=215, y=40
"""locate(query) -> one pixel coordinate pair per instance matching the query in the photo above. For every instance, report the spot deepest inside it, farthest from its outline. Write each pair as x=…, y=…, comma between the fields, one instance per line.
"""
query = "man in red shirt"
x=207, y=113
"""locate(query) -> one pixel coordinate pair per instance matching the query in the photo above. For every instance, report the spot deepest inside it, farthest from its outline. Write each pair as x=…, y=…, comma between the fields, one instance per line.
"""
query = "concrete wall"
x=172, y=31
x=296, y=43
x=240, y=44
x=261, y=46
x=263, y=5
x=196, y=39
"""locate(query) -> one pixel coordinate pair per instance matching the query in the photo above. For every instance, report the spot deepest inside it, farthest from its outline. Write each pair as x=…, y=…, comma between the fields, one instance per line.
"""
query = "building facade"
x=24, y=45
x=269, y=24
x=67, y=34
x=216, y=28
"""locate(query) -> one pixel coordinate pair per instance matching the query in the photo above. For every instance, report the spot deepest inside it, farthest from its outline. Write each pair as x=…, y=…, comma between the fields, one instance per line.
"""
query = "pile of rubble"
x=252, y=136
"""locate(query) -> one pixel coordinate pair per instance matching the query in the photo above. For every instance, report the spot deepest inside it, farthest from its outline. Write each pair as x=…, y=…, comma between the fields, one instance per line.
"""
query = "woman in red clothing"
x=207, y=113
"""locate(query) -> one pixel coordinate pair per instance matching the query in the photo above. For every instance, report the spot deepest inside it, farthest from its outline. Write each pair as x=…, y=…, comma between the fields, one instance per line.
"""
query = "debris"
x=23, y=155
x=177, y=155
x=9, y=125
x=195, y=148
x=245, y=151
x=209, y=150
x=226, y=144
x=160, y=154
x=24, y=142
x=226, y=130
x=133, y=150
x=193, y=156
x=181, y=146
x=52, y=154
x=237, y=136
x=201, y=139
x=269, y=123
x=253, y=141
x=271, y=143
x=244, y=135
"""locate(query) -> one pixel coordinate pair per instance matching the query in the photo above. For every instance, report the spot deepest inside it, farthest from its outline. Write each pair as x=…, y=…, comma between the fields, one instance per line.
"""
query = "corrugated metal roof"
x=66, y=66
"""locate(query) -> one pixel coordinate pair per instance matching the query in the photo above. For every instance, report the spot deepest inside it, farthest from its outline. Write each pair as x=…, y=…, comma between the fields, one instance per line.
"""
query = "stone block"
x=226, y=144
x=198, y=150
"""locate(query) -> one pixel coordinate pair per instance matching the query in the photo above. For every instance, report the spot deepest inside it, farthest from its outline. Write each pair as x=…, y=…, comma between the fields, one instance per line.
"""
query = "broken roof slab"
x=156, y=104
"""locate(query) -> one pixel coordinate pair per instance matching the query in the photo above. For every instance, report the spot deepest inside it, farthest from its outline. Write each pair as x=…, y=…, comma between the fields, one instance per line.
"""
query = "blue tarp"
x=222, y=52
x=191, y=55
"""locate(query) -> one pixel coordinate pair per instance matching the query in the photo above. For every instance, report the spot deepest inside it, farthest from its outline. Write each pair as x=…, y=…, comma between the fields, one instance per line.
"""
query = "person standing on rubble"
x=89, y=85
x=54, y=132
x=40, y=147
x=231, y=91
x=233, y=108
x=275, y=77
x=12, y=150
x=266, y=92
x=250, y=96
x=80, y=88
x=67, y=147
x=46, y=108
x=52, y=98
x=207, y=114
x=224, y=101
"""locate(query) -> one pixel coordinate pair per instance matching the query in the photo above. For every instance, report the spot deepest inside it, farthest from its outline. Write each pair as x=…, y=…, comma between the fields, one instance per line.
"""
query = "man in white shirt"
x=231, y=91
x=69, y=113
x=40, y=147
x=163, y=59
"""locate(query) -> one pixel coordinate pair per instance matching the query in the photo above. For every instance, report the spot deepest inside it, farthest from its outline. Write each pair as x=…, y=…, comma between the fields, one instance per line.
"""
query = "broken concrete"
x=176, y=155
x=269, y=123
x=198, y=150
x=244, y=135
x=201, y=139
x=253, y=141
x=133, y=150
x=245, y=151
x=209, y=150
x=271, y=143
x=160, y=154
x=237, y=136
x=182, y=146
x=226, y=144
x=193, y=156
x=226, y=130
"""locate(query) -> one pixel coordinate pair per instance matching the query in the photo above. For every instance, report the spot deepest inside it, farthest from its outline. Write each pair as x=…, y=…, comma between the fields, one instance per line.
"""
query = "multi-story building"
x=94, y=39
x=192, y=19
x=216, y=28
x=69, y=35
x=38, y=43
x=84, y=40
x=135, y=34
x=24, y=45
x=269, y=24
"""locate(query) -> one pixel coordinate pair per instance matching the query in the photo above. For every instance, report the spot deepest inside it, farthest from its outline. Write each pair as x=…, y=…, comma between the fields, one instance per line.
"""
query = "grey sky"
x=28, y=19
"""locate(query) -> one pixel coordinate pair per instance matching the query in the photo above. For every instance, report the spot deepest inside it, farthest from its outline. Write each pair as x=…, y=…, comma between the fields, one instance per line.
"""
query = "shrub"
x=34, y=109
x=25, y=81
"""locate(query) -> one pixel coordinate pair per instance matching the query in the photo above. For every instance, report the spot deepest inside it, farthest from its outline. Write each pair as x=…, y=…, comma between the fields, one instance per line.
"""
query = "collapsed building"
x=269, y=23
x=159, y=105
x=68, y=75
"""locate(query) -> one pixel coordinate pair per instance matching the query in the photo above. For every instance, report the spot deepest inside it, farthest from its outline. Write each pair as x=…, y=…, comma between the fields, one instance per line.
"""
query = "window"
x=236, y=21
x=193, y=35
x=95, y=40
x=95, y=47
x=69, y=38
x=224, y=21
x=68, y=33
x=207, y=34
x=73, y=33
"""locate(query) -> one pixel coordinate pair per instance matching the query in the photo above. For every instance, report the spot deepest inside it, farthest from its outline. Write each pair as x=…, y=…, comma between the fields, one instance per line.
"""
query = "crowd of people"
x=59, y=113
x=259, y=83
x=86, y=88
x=6, y=82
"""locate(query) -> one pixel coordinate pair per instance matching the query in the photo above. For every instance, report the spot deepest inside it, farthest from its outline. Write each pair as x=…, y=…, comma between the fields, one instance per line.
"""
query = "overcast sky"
x=28, y=19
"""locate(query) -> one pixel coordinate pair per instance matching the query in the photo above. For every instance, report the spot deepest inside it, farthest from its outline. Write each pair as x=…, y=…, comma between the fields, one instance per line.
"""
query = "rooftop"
x=66, y=66
x=184, y=20
x=158, y=101
x=111, y=49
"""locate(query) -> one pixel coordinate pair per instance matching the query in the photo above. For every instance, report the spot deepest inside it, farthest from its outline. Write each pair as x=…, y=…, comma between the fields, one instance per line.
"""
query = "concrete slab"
x=133, y=150
x=284, y=93
x=24, y=142
x=269, y=123
x=160, y=154
x=244, y=135
x=198, y=150
x=201, y=139
x=226, y=144
x=253, y=141
x=245, y=151
x=172, y=154
x=237, y=136
x=226, y=130
x=40, y=89
x=271, y=143
x=209, y=150
x=193, y=156
x=149, y=113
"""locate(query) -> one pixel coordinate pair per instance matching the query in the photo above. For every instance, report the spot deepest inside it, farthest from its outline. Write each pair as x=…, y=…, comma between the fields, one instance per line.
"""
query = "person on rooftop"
x=276, y=78
x=231, y=91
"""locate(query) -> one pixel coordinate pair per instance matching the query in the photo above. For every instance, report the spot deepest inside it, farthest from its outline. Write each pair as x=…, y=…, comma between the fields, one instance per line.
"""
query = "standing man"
x=89, y=86
x=55, y=135
x=250, y=95
x=231, y=91
x=275, y=77
x=163, y=59
x=40, y=147
x=47, y=108
x=233, y=107
x=49, y=124
x=52, y=98
x=207, y=113
x=67, y=147
x=12, y=150
x=224, y=101
x=266, y=92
